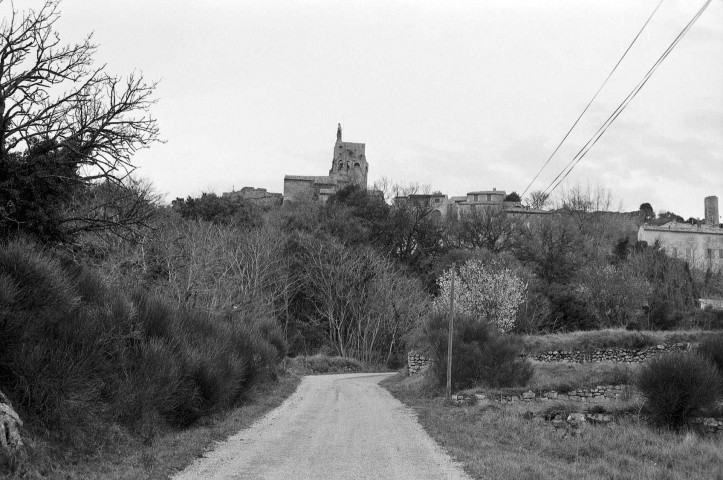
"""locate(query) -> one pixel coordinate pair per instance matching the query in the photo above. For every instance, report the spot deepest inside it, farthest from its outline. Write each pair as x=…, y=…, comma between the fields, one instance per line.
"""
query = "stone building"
x=701, y=245
x=348, y=166
x=444, y=206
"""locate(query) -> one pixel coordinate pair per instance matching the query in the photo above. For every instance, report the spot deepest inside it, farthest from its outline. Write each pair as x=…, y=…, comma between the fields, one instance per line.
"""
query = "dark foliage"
x=224, y=210
x=712, y=349
x=35, y=188
x=70, y=348
x=569, y=310
x=513, y=197
x=678, y=385
x=646, y=210
x=480, y=355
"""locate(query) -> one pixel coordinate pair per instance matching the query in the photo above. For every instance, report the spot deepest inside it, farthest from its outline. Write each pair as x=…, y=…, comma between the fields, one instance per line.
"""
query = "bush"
x=712, y=349
x=75, y=354
x=676, y=386
x=480, y=355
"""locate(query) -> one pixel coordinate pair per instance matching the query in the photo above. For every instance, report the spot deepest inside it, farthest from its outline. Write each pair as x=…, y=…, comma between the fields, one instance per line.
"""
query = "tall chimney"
x=711, y=211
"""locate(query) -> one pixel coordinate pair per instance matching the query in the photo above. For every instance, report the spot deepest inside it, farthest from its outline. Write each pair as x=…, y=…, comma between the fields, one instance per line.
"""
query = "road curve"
x=333, y=427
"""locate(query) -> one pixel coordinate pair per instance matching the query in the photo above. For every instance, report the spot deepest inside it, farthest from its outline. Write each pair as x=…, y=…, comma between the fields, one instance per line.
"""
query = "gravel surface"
x=333, y=427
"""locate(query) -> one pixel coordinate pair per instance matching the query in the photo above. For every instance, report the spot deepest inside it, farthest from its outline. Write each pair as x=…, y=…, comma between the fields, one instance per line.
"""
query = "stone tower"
x=711, y=211
x=350, y=162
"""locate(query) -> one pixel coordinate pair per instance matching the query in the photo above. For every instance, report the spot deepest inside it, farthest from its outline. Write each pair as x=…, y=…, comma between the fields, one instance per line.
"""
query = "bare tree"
x=52, y=94
x=587, y=198
x=491, y=228
x=537, y=199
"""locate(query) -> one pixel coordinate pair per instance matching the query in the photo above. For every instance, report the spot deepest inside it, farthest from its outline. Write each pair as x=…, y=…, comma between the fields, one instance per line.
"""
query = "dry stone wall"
x=600, y=393
x=416, y=362
x=618, y=355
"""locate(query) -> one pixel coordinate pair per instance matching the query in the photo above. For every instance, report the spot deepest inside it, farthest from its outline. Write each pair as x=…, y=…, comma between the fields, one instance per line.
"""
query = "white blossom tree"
x=484, y=290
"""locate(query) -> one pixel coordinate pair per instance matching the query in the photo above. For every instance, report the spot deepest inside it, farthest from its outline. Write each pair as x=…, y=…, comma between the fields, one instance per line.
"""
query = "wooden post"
x=449, y=339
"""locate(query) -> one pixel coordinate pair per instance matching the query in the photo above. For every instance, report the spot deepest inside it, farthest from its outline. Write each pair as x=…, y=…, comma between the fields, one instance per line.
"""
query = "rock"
x=11, y=442
x=528, y=395
x=599, y=419
x=558, y=422
x=576, y=419
x=710, y=423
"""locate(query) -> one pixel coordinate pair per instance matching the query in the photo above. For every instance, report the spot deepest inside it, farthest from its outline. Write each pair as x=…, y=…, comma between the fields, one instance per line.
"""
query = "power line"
x=599, y=133
x=592, y=99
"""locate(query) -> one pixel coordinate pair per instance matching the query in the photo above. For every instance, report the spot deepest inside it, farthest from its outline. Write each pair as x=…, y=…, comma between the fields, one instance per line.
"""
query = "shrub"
x=675, y=386
x=480, y=355
x=712, y=349
x=73, y=350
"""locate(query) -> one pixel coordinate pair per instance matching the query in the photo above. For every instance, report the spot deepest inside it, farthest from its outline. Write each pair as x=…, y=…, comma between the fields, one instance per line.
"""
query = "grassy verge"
x=608, y=338
x=501, y=442
x=171, y=451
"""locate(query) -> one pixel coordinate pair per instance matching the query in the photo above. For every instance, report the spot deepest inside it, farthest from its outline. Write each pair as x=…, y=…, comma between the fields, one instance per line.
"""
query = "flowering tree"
x=484, y=290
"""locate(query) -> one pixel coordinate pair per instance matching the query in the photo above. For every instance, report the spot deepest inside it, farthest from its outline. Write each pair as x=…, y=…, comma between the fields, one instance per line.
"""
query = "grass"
x=498, y=441
x=608, y=338
x=316, y=364
x=171, y=452
x=566, y=376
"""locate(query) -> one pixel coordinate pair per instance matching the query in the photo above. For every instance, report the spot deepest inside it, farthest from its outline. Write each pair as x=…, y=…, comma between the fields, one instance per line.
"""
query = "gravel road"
x=333, y=427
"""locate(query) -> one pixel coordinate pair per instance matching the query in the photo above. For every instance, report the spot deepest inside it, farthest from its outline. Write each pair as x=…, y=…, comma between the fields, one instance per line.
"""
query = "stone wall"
x=599, y=393
x=618, y=355
x=416, y=362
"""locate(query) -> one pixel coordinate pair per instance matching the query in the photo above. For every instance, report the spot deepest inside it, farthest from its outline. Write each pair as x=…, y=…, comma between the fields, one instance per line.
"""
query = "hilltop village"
x=700, y=244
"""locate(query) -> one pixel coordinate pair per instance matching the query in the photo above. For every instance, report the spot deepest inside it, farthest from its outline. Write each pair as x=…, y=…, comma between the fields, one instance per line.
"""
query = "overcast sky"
x=460, y=96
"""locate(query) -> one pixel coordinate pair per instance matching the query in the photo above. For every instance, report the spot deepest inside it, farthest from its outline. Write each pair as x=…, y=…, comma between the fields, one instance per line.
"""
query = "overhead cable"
x=599, y=133
x=593, y=98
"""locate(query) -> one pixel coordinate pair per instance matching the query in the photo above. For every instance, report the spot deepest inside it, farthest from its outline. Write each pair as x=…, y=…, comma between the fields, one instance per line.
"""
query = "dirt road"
x=333, y=427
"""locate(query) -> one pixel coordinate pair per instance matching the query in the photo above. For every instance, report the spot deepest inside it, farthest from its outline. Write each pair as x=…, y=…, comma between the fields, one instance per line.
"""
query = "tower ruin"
x=349, y=162
x=711, y=211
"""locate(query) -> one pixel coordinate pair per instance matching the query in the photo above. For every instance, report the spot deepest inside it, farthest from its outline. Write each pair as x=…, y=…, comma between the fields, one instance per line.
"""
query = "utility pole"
x=449, y=339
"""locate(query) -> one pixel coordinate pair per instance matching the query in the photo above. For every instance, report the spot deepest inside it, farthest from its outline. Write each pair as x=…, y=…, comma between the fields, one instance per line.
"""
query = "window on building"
x=489, y=197
x=720, y=253
x=709, y=253
x=688, y=252
x=675, y=252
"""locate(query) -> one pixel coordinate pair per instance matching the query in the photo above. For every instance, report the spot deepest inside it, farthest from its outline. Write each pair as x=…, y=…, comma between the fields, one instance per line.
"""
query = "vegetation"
x=678, y=385
x=316, y=364
x=68, y=131
x=480, y=354
x=712, y=349
x=486, y=291
x=515, y=441
x=73, y=349
x=119, y=314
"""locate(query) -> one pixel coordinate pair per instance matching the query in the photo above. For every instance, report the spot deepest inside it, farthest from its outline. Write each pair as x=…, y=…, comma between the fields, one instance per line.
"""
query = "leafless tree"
x=53, y=94
x=537, y=199
x=490, y=227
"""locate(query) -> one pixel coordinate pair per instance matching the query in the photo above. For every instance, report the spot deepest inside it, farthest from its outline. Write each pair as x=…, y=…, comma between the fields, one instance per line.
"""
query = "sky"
x=457, y=95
